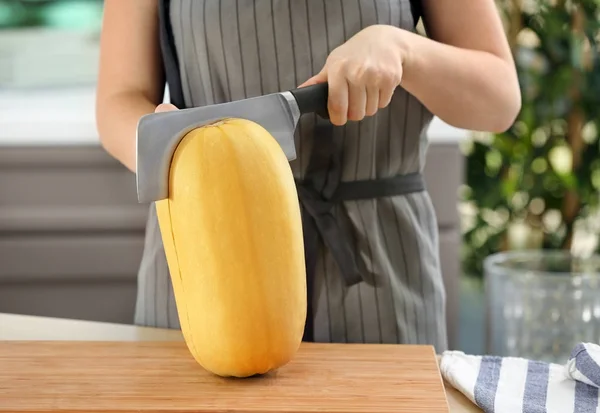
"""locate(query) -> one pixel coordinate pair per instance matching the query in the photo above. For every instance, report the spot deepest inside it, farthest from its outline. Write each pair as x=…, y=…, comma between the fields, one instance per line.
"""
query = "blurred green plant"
x=71, y=14
x=537, y=185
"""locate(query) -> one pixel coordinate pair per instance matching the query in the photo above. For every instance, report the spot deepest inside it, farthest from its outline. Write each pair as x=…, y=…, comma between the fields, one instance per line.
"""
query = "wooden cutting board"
x=50, y=376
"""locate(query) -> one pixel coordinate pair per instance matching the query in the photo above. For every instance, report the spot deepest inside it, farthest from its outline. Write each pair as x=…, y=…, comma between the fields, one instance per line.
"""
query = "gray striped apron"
x=370, y=230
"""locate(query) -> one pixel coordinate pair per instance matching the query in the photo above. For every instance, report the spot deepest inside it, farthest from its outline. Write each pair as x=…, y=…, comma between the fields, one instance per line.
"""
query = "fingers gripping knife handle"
x=313, y=99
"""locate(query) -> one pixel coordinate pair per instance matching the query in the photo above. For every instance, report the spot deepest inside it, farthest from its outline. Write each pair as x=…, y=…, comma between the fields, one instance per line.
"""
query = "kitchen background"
x=71, y=230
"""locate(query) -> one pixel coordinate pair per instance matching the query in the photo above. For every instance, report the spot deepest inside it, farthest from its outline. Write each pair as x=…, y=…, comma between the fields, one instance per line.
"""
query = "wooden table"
x=22, y=327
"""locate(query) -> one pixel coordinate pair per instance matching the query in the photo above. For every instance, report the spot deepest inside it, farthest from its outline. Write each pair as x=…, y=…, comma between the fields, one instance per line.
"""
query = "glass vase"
x=541, y=303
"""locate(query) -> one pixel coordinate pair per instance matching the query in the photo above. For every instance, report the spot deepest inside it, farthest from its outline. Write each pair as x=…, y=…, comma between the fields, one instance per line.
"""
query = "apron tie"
x=336, y=237
x=319, y=221
x=320, y=192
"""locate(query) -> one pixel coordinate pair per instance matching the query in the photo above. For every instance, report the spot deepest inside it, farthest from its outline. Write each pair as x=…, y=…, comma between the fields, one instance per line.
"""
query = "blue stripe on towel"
x=486, y=385
x=536, y=387
x=586, y=398
x=577, y=349
x=586, y=364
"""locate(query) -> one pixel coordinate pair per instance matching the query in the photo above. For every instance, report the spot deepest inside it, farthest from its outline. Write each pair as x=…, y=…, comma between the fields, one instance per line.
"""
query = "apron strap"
x=169, y=55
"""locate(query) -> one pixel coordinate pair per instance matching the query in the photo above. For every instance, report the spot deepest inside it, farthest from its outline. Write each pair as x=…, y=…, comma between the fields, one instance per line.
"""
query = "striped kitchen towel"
x=513, y=385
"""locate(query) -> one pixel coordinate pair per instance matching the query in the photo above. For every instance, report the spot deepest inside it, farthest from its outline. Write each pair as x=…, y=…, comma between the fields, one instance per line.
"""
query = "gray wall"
x=71, y=231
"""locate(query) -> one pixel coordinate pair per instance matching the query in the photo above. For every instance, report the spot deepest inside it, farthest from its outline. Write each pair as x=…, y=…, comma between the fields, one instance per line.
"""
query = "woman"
x=372, y=252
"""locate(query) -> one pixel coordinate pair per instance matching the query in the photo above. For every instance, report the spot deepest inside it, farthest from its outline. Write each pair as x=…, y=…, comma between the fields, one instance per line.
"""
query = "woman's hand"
x=362, y=74
x=463, y=72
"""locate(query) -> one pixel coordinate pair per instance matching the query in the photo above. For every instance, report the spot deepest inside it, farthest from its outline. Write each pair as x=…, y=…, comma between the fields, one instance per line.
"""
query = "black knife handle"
x=313, y=99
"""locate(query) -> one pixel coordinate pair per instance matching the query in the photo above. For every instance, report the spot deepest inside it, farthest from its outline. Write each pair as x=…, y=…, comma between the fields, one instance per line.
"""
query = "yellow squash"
x=232, y=233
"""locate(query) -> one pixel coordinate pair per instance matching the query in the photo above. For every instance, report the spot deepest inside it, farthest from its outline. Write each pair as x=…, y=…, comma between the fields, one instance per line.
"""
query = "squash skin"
x=232, y=233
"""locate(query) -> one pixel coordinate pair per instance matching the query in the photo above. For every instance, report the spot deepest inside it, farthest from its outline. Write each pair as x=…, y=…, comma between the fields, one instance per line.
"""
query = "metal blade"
x=158, y=135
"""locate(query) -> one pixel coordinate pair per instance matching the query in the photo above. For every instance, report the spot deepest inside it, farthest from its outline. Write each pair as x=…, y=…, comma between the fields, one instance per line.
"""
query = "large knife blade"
x=158, y=134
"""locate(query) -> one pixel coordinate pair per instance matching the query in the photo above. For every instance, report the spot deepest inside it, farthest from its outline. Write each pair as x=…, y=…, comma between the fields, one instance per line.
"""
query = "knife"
x=158, y=134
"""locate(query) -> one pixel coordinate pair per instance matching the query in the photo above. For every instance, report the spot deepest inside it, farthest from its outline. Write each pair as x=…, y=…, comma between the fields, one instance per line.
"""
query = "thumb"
x=165, y=107
x=320, y=77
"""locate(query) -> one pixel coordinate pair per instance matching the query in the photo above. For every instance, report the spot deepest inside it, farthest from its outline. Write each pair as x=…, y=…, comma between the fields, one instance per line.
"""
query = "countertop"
x=66, y=116
x=23, y=327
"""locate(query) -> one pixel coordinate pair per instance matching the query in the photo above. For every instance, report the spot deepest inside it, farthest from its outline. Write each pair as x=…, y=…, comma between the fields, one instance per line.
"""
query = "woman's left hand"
x=362, y=74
